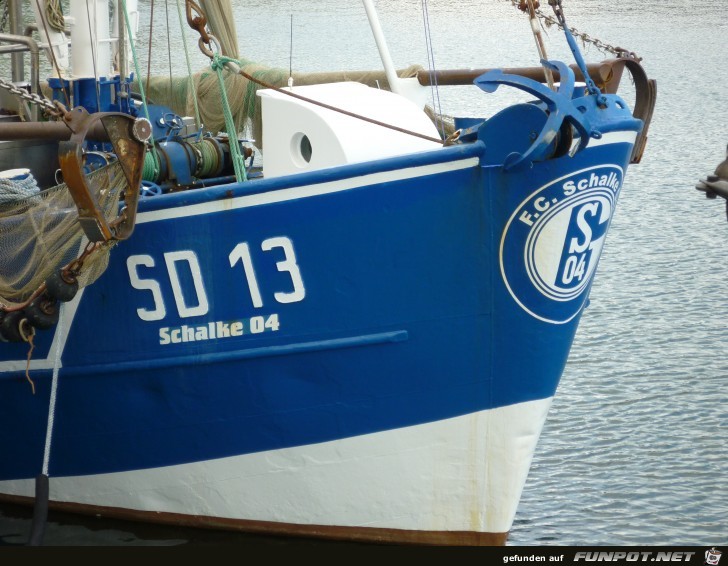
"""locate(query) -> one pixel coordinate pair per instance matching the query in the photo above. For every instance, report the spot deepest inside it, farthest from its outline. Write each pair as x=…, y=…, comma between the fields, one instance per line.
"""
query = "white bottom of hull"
x=461, y=474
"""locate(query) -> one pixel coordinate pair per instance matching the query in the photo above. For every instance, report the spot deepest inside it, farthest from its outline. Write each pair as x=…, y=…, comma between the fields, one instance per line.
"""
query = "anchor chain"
x=549, y=21
x=53, y=108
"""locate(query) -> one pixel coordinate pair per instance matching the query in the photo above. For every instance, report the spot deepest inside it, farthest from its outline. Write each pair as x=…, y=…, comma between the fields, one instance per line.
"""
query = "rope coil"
x=12, y=190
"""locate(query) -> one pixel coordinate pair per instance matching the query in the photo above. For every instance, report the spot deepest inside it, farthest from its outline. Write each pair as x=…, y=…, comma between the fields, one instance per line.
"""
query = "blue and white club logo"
x=552, y=242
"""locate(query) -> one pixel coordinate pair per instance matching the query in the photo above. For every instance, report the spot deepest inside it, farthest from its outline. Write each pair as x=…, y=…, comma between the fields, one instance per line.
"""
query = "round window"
x=301, y=150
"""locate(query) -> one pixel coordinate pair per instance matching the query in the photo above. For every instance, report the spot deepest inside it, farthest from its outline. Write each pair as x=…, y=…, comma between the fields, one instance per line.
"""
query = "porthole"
x=301, y=149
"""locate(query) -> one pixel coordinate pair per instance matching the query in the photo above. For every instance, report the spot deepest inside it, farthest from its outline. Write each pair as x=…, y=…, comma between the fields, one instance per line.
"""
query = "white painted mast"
x=409, y=88
x=90, y=39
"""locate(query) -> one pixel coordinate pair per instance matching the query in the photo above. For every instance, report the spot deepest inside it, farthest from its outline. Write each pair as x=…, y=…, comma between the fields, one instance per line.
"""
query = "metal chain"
x=53, y=108
x=585, y=38
x=4, y=18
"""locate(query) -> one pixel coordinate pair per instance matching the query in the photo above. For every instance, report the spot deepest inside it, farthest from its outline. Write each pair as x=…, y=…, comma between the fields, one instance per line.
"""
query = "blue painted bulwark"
x=372, y=308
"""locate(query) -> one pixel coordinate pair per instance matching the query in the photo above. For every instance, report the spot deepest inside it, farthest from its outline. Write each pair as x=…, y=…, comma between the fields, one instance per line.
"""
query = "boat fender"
x=14, y=327
x=62, y=286
x=42, y=312
x=40, y=511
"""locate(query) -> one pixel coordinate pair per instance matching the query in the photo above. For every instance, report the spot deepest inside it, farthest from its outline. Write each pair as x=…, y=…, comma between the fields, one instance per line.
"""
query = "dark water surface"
x=635, y=451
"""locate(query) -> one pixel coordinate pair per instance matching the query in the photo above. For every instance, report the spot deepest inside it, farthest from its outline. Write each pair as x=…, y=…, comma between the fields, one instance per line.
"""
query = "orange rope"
x=27, y=367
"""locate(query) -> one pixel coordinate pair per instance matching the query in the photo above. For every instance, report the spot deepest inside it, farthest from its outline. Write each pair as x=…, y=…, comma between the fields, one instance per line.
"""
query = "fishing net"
x=40, y=233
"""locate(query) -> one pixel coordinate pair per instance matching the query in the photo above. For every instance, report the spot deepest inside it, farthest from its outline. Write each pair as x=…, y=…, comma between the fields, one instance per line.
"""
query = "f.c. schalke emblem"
x=551, y=244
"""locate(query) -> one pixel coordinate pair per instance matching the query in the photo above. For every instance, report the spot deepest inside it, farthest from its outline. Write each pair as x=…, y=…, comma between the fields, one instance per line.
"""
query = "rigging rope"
x=436, y=104
x=149, y=43
x=228, y=61
x=205, y=42
x=157, y=165
x=340, y=110
x=94, y=54
x=218, y=64
x=169, y=42
x=198, y=121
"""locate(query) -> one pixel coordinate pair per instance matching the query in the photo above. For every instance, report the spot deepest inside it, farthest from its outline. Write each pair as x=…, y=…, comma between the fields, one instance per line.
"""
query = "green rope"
x=250, y=99
x=218, y=63
x=209, y=160
x=198, y=121
x=150, y=172
x=141, y=84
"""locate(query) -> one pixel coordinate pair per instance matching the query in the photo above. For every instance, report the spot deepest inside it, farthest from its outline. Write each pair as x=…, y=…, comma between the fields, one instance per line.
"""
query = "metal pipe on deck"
x=20, y=44
x=47, y=131
x=15, y=17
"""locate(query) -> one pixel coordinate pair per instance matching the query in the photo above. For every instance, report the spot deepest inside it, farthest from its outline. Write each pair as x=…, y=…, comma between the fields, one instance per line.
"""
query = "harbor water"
x=635, y=450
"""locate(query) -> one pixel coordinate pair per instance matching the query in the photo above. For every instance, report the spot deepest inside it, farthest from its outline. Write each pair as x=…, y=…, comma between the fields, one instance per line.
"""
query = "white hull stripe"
x=614, y=137
x=461, y=474
x=293, y=193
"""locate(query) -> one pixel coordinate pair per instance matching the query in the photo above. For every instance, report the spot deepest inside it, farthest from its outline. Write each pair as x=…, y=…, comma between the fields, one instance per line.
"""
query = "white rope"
x=12, y=190
x=54, y=391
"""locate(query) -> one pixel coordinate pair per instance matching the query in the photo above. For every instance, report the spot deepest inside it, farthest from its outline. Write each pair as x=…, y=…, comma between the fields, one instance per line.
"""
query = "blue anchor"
x=560, y=105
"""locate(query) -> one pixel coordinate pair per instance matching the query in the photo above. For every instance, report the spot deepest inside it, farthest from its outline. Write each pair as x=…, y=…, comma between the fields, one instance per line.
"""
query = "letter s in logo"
x=586, y=233
x=548, y=263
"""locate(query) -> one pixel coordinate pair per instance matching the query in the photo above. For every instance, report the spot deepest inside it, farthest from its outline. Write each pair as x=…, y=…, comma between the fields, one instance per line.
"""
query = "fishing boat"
x=350, y=325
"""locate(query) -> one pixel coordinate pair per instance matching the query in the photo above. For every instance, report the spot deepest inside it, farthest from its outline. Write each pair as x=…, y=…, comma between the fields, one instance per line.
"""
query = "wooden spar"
x=606, y=75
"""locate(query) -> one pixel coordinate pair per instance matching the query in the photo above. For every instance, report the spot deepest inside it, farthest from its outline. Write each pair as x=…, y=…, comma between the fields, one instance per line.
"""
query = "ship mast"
x=409, y=88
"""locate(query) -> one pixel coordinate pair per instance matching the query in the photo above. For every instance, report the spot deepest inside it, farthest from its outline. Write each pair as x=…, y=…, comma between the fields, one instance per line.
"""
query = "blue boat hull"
x=289, y=313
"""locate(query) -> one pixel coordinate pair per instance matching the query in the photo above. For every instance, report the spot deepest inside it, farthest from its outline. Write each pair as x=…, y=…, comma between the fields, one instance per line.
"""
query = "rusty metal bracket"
x=127, y=135
x=197, y=22
x=610, y=75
